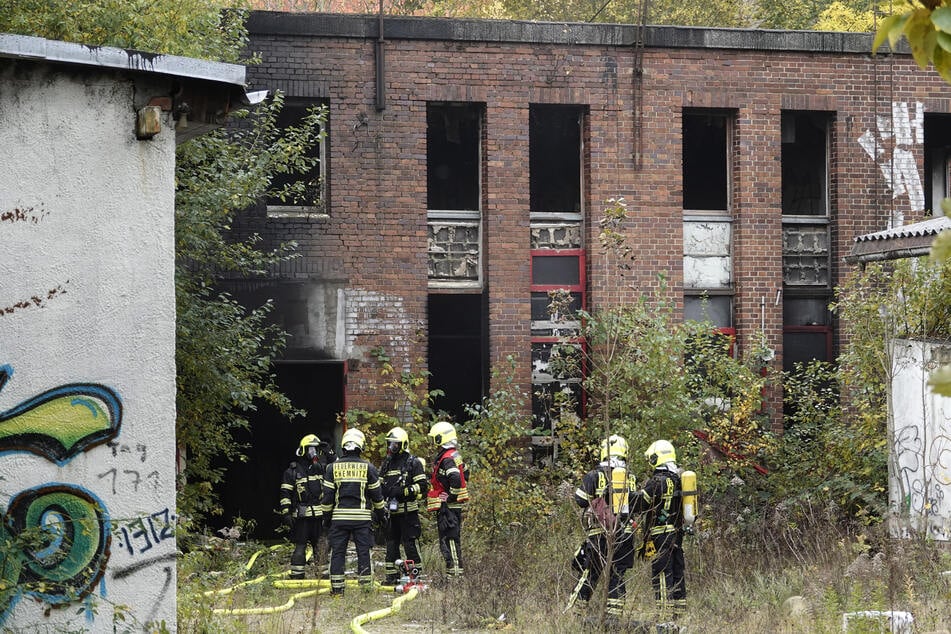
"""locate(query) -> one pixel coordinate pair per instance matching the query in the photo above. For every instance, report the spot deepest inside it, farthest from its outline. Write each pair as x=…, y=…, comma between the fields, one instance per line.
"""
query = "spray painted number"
x=133, y=476
x=142, y=533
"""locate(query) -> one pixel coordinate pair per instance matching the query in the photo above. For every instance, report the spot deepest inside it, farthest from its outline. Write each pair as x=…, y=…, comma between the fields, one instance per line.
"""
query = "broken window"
x=454, y=193
x=557, y=294
x=310, y=189
x=807, y=252
x=706, y=166
x=555, y=158
x=937, y=152
x=458, y=350
x=804, y=163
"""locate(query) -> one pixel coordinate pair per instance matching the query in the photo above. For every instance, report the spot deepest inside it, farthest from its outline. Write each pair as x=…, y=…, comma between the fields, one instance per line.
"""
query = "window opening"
x=458, y=350
x=706, y=161
x=313, y=196
x=555, y=158
x=937, y=151
x=804, y=158
x=453, y=194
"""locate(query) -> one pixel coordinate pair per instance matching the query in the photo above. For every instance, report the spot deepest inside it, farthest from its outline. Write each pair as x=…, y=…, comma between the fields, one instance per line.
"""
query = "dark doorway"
x=458, y=351
x=251, y=488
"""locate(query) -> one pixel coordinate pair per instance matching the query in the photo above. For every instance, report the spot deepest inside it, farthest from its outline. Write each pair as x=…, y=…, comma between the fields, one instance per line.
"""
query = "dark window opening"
x=937, y=150
x=807, y=330
x=313, y=188
x=804, y=163
x=556, y=269
x=705, y=166
x=458, y=351
x=555, y=151
x=251, y=489
x=453, y=134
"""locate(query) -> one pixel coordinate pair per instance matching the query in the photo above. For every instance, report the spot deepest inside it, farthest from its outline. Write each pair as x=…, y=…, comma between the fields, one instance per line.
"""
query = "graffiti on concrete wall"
x=892, y=147
x=56, y=537
x=924, y=474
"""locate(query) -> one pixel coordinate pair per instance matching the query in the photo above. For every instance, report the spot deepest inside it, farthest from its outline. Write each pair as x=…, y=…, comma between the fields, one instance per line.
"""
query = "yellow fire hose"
x=379, y=614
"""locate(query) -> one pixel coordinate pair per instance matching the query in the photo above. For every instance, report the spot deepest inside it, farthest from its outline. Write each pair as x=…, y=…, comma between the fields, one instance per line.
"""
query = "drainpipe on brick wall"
x=380, y=66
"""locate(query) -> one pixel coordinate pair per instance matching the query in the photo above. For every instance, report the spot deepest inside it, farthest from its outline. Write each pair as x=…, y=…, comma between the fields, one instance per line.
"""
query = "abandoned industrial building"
x=467, y=165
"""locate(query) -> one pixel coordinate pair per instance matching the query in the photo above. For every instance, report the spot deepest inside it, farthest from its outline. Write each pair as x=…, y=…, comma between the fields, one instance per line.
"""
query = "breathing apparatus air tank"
x=688, y=483
x=619, y=491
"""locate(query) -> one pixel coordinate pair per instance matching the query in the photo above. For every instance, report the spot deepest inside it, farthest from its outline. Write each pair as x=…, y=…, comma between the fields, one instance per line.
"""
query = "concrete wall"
x=87, y=357
x=920, y=459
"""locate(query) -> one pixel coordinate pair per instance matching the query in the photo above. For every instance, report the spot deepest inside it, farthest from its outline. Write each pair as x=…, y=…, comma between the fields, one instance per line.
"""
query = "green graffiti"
x=56, y=544
x=60, y=423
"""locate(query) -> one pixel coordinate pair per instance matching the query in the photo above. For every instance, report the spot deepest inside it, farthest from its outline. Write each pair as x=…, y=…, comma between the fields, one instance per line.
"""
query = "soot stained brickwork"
x=372, y=242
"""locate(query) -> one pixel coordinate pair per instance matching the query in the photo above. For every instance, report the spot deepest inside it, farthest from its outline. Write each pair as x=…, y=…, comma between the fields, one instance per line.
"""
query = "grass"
x=519, y=580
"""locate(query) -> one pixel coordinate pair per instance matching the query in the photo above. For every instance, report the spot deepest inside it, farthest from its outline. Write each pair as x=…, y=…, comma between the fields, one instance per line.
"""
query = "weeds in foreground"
x=739, y=580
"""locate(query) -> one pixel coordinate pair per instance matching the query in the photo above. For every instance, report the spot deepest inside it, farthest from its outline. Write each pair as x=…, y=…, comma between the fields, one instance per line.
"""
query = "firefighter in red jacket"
x=661, y=500
x=301, y=495
x=447, y=494
x=352, y=498
x=404, y=485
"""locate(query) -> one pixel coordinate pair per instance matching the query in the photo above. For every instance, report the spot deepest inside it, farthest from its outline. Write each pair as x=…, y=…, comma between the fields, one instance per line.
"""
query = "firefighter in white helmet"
x=448, y=492
x=301, y=495
x=605, y=494
x=352, y=498
x=660, y=500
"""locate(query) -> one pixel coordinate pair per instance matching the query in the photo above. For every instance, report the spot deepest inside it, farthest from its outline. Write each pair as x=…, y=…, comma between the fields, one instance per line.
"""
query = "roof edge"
x=568, y=33
x=30, y=48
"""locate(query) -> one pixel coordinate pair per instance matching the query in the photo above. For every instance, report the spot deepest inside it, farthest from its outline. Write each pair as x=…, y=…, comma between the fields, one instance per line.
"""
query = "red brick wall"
x=375, y=237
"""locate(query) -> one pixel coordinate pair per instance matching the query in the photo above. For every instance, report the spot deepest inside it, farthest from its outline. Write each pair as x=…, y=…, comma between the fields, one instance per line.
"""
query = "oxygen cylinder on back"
x=688, y=483
x=619, y=490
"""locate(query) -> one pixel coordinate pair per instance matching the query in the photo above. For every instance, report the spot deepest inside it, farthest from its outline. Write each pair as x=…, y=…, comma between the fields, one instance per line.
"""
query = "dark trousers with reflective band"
x=404, y=531
x=450, y=543
x=622, y=560
x=338, y=537
x=306, y=531
x=667, y=574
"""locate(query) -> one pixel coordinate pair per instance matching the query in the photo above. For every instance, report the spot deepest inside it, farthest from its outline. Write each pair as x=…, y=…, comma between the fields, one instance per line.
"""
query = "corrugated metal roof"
x=909, y=241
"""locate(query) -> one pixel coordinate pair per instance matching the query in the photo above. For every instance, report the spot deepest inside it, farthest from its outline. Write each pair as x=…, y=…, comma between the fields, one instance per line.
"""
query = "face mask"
x=312, y=452
x=393, y=447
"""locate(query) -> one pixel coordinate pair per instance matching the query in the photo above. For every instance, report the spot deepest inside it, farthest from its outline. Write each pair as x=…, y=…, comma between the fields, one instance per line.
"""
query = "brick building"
x=468, y=162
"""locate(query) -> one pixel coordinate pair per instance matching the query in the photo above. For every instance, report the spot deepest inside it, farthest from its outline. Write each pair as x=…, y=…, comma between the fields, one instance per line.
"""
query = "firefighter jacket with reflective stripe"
x=661, y=500
x=352, y=490
x=404, y=481
x=302, y=488
x=595, y=487
x=449, y=476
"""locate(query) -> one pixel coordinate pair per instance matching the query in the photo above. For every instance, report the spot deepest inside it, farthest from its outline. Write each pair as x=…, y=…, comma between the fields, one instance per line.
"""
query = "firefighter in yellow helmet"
x=605, y=493
x=404, y=485
x=301, y=494
x=352, y=498
x=448, y=492
x=660, y=500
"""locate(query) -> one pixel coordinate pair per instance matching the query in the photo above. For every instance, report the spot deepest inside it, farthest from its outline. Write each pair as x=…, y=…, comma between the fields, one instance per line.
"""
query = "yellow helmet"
x=615, y=447
x=660, y=452
x=399, y=437
x=442, y=433
x=310, y=440
x=353, y=437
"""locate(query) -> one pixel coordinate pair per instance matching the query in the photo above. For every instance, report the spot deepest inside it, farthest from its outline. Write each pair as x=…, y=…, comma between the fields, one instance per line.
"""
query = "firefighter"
x=352, y=500
x=404, y=484
x=447, y=494
x=301, y=495
x=605, y=493
x=660, y=500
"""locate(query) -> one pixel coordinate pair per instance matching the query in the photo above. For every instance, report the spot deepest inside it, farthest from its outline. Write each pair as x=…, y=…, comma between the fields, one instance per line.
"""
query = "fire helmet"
x=353, y=440
x=310, y=440
x=397, y=440
x=442, y=433
x=614, y=446
x=660, y=452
